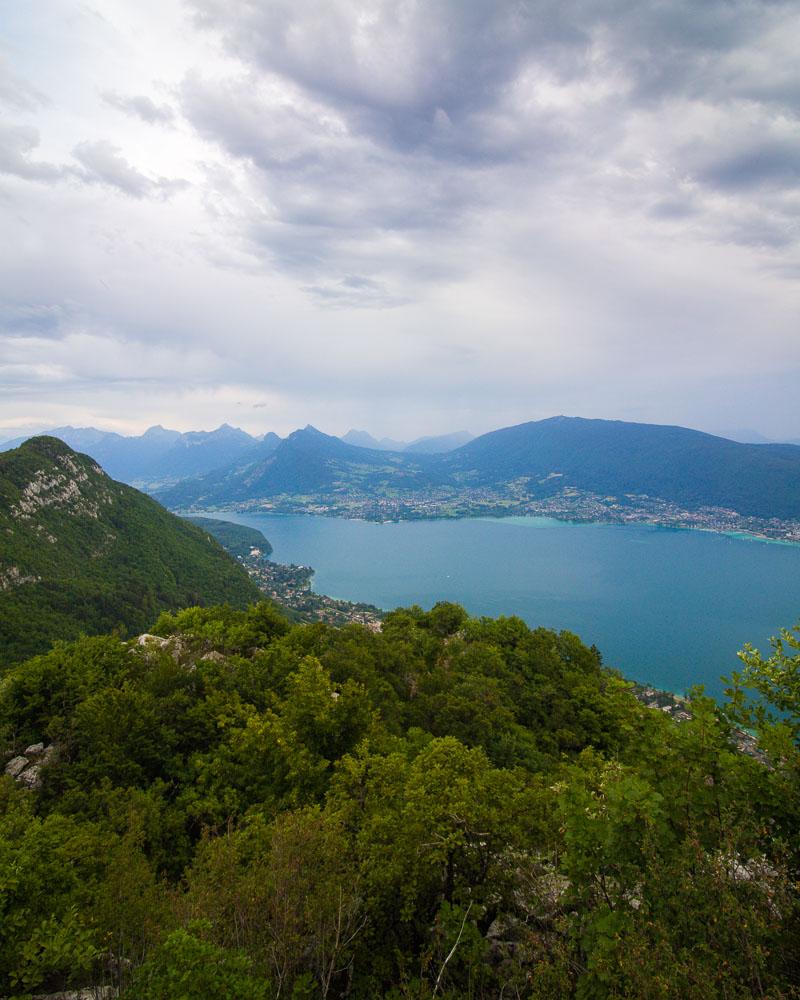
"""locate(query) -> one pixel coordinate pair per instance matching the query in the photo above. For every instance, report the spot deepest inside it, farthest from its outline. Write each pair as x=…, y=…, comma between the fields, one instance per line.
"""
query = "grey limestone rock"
x=212, y=657
x=146, y=639
x=31, y=776
x=16, y=766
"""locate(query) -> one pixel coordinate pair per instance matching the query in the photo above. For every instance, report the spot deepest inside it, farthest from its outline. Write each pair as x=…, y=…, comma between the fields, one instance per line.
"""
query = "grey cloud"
x=40, y=319
x=355, y=292
x=397, y=68
x=540, y=198
x=770, y=162
x=103, y=163
x=100, y=163
x=398, y=115
x=17, y=143
x=391, y=65
x=140, y=106
x=319, y=199
x=673, y=208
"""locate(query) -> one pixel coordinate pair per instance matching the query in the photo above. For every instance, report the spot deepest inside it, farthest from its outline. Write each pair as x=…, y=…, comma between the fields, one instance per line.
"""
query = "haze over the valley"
x=401, y=217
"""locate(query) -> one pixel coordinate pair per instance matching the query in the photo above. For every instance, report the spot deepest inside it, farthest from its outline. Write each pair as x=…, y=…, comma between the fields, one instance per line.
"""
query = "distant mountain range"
x=162, y=457
x=158, y=456
x=82, y=553
x=420, y=446
x=307, y=463
x=540, y=458
x=747, y=436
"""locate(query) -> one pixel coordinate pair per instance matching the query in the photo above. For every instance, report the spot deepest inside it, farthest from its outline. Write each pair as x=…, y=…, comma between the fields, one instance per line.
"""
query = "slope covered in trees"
x=82, y=553
x=450, y=808
x=611, y=456
x=238, y=539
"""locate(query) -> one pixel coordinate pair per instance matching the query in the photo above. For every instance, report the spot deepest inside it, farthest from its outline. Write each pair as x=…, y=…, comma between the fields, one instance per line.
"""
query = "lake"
x=666, y=606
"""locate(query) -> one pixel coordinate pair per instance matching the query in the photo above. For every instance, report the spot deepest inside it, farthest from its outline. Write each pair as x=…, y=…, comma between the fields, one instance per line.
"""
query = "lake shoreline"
x=740, y=534
x=668, y=608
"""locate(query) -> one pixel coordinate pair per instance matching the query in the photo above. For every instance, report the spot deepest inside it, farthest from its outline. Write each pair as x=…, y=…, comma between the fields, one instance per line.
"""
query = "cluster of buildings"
x=567, y=504
x=290, y=587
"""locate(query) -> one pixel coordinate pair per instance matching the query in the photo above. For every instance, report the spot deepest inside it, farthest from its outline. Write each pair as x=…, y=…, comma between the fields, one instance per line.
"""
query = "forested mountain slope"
x=611, y=456
x=82, y=553
x=450, y=808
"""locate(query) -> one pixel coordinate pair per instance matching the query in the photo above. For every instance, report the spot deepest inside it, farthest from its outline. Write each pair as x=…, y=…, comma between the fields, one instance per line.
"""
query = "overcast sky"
x=410, y=217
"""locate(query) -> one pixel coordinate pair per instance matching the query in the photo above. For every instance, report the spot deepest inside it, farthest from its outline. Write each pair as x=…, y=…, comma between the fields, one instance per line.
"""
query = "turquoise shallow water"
x=665, y=606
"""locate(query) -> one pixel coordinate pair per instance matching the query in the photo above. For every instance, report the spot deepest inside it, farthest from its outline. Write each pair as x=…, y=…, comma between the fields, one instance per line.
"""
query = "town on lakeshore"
x=570, y=504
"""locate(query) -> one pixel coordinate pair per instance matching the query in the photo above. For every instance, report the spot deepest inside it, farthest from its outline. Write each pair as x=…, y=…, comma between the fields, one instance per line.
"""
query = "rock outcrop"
x=26, y=768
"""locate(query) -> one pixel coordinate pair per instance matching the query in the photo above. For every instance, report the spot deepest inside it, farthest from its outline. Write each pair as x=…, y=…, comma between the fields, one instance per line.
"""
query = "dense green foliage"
x=82, y=553
x=449, y=808
x=607, y=457
x=238, y=539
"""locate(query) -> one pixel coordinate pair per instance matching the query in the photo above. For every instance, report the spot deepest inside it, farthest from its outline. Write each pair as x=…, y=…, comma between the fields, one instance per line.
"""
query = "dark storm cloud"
x=397, y=63
x=394, y=115
x=769, y=163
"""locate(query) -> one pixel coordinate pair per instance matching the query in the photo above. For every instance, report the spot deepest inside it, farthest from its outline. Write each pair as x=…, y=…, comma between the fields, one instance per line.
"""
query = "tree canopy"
x=451, y=807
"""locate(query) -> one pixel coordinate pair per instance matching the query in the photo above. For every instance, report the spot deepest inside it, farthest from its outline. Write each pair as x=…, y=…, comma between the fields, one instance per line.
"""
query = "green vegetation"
x=80, y=553
x=237, y=539
x=448, y=808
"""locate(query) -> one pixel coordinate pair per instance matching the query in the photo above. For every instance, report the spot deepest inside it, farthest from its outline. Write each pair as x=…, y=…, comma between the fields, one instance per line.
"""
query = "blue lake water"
x=665, y=606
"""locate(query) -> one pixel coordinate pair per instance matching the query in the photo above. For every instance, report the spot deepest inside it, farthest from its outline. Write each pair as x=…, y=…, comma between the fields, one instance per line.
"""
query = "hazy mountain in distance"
x=439, y=443
x=219, y=482
x=431, y=445
x=746, y=436
x=306, y=462
x=362, y=439
x=159, y=456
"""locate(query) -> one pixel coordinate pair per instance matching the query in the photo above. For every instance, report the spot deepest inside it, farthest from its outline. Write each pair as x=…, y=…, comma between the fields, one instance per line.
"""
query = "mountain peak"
x=47, y=446
x=158, y=431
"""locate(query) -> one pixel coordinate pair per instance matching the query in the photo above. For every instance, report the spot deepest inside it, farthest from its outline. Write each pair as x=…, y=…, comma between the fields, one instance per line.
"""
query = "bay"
x=665, y=606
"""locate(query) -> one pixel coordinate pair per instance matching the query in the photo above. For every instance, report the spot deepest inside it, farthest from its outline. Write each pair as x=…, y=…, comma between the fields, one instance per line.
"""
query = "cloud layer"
x=402, y=215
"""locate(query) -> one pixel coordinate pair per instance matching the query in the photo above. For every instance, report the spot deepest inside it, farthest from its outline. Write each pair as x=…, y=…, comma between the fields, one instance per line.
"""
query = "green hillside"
x=448, y=809
x=612, y=456
x=82, y=553
x=238, y=539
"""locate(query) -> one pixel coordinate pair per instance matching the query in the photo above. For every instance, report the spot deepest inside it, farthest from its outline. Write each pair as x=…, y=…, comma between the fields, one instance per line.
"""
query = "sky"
x=408, y=216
